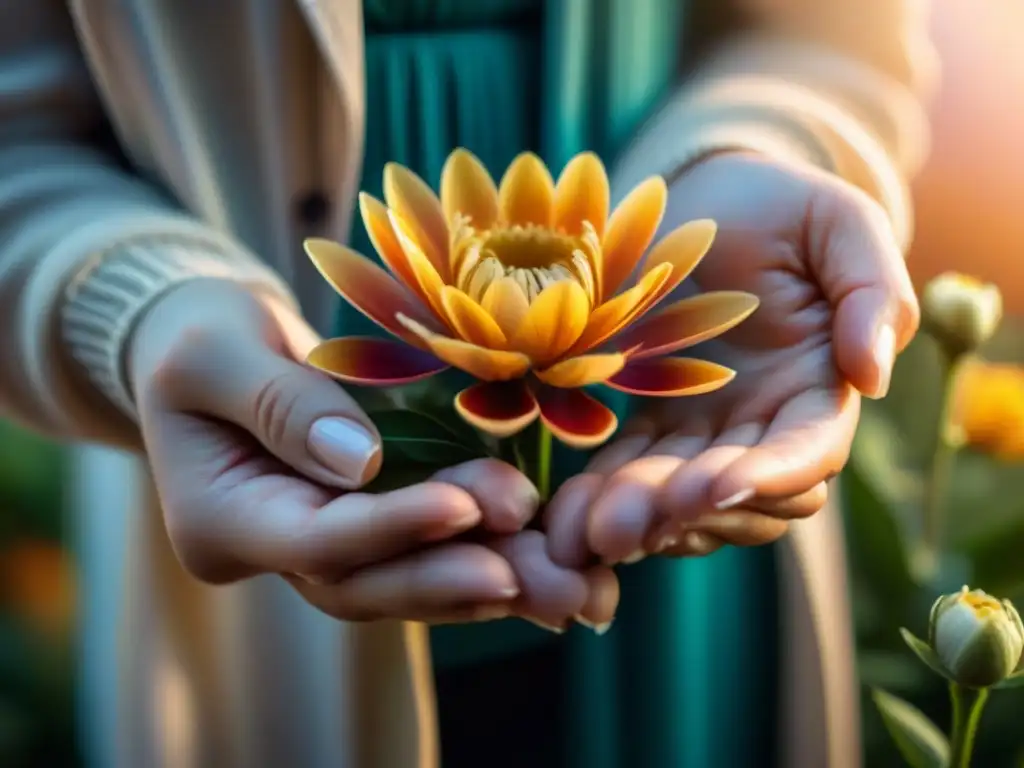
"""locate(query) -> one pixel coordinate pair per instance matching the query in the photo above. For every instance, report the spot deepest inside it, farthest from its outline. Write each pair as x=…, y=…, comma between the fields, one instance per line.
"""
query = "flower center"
x=534, y=257
x=982, y=604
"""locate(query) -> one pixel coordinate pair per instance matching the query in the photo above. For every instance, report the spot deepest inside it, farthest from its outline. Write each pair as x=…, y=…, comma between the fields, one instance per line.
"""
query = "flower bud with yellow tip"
x=962, y=313
x=978, y=639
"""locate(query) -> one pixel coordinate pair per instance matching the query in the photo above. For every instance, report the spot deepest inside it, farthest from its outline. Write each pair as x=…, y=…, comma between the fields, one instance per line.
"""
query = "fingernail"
x=316, y=581
x=547, y=627
x=698, y=543
x=667, y=541
x=634, y=557
x=885, y=356
x=736, y=499
x=343, y=447
x=597, y=629
x=508, y=592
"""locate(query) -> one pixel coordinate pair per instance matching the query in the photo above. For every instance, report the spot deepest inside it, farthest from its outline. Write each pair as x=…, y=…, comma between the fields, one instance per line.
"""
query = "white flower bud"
x=978, y=639
x=961, y=312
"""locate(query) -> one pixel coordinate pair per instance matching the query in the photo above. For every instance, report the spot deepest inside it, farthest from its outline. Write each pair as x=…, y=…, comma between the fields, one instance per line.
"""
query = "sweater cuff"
x=105, y=301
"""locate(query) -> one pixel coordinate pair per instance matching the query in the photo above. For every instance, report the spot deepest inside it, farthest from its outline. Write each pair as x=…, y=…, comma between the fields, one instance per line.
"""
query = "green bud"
x=978, y=639
x=961, y=312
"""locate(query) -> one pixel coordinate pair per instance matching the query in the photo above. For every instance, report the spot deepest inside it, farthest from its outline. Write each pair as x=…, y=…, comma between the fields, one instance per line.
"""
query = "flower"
x=988, y=408
x=960, y=311
x=978, y=639
x=518, y=285
x=37, y=584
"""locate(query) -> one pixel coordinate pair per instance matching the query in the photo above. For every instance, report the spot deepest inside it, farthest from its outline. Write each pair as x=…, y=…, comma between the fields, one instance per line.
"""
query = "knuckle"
x=273, y=406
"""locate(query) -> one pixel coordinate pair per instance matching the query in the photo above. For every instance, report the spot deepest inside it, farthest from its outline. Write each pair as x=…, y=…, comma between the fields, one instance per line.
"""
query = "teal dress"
x=687, y=675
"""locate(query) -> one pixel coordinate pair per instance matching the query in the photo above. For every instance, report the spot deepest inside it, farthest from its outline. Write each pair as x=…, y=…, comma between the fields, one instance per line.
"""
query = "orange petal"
x=470, y=320
x=575, y=418
x=365, y=286
x=671, y=377
x=498, y=408
x=609, y=318
x=554, y=321
x=482, y=363
x=582, y=195
x=630, y=231
x=467, y=189
x=527, y=191
x=683, y=248
x=688, y=322
x=378, y=226
x=370, y=361
x=583, y=371
x=507, y=304
x=428, y=281
x=410, y=197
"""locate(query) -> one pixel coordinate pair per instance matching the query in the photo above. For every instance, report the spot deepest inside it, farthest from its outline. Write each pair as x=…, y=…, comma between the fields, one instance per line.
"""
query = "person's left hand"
x=733, y=467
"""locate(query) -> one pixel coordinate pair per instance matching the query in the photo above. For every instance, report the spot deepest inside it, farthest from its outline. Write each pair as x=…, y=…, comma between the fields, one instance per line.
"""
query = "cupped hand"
x=257, y=460
x=735, y=466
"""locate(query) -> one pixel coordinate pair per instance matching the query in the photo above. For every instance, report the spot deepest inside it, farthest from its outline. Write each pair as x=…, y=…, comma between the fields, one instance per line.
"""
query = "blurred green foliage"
x=882, y=489
x=36, y=662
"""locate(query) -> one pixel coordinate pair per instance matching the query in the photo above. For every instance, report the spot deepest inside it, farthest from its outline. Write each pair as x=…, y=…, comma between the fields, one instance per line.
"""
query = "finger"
x=861, y=269
x=298, y=414
x=436, y=583
x=685, y=496
x=624, y=511
x=807, y=443
x=505, y=496
x=741, y=528
x=628, y=445
x=550, y=594
x=694, y=544
x=565, y=520
x=598, y=611
x=791, y=507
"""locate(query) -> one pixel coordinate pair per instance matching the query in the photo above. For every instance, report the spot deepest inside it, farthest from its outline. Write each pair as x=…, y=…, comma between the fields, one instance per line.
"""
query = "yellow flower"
x=977, y=638
x=988, y=408
x=962, y=312
x=518, y=285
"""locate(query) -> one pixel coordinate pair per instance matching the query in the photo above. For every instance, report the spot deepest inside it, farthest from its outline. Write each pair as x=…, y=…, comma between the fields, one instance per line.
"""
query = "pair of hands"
x=258, y=458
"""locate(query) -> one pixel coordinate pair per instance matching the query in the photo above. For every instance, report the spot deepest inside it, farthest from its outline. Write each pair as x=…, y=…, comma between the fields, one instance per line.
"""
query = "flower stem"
x=543, y=462
x=939, y=475
x=968, y=704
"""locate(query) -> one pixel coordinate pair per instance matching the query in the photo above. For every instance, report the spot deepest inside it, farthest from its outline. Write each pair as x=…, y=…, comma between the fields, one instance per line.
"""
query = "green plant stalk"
x=968, y=704
x=933, y=528
x=544, y=462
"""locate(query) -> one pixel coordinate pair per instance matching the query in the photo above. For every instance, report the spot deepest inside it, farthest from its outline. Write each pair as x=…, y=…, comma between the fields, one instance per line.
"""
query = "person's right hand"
x=256, y=459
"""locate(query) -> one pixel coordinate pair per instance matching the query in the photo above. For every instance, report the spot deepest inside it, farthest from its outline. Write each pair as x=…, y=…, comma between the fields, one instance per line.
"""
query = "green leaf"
x=411, y=437
x=924, y=652
x=1016, y=680
x=920, y=742
x=877, y=550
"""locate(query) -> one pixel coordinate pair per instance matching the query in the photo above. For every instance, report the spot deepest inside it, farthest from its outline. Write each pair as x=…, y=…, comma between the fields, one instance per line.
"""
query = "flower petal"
x=370, y=361
x=671, y=377
x=554, y=321
x=470, y=320
x=688, y=322
x=615, y=314
x=583, y=371
x=484, y=364
x=366, y=286
x=505, y=301
x=575, y=418
x=527, y=191
x=630, y=231
x=415, y=202
x=429, y=282
x=378, y=226
x=582, y=195
x=683, y=248
x=467, y=189
x=498, y=408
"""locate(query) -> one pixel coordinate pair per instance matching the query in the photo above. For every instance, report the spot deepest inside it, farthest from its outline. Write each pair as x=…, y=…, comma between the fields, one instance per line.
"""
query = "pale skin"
x=226, y=409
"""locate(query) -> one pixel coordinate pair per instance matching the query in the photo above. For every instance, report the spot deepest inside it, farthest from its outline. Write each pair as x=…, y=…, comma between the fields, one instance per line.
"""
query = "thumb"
x=244, y=374
x=861, y=270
